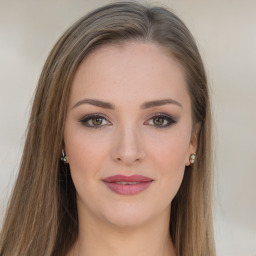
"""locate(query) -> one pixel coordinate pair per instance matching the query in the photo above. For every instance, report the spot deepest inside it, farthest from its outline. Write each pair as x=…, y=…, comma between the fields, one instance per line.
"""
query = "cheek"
x=172, y=149
x=85, y=152
x=169, y=159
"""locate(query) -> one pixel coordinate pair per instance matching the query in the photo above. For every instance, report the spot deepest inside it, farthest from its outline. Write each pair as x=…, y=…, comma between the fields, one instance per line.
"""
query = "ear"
x=193, y=142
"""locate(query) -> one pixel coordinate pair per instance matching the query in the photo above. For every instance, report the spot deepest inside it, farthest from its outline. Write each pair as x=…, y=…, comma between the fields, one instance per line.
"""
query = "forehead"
x=130, y=72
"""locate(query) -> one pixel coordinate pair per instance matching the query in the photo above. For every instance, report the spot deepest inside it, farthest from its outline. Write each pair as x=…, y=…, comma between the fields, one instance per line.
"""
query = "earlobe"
x=191, y=158
x=64, y=157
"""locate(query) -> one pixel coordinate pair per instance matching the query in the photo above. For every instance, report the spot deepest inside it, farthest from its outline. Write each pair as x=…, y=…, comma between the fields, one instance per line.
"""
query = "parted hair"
x=41, y=217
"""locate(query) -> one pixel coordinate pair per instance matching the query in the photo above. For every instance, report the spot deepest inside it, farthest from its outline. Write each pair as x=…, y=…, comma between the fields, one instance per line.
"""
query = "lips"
x=127, y=185
x=133, y=178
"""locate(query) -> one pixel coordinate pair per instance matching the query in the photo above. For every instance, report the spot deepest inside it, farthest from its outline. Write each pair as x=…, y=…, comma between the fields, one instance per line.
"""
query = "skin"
x=129, y=141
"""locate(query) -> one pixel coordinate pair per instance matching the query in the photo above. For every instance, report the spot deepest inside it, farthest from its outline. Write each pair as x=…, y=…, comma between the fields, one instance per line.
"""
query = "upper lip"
x=132, y=178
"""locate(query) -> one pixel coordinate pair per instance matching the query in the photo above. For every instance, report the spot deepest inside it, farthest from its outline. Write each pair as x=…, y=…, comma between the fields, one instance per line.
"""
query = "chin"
x=127, y=217
x=125, y=221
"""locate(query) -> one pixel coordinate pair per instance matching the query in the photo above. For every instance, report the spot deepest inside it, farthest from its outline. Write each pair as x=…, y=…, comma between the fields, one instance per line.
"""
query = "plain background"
x=225, y=32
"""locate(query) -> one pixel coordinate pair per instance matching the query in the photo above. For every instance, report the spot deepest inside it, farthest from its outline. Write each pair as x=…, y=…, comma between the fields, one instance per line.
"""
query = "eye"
x=160, y=120
x=94, y=121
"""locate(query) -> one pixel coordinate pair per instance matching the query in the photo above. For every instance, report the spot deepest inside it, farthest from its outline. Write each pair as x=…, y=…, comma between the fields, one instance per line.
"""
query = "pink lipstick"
x=127, y=185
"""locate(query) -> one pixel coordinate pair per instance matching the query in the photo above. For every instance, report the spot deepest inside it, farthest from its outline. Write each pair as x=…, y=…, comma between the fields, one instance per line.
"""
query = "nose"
x=127, y=147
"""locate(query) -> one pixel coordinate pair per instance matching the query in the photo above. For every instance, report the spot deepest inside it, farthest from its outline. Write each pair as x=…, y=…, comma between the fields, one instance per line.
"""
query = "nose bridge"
x=128, y=146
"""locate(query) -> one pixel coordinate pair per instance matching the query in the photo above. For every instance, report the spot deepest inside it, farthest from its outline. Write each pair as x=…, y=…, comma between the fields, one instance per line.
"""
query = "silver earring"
x=192, y=158
x=64, y=158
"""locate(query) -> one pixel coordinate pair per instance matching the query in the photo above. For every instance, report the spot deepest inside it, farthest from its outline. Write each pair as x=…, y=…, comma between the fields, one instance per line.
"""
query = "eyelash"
x=166, y=117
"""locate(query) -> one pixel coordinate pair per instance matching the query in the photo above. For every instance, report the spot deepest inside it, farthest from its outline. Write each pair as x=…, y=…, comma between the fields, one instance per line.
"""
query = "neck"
x=97, y=238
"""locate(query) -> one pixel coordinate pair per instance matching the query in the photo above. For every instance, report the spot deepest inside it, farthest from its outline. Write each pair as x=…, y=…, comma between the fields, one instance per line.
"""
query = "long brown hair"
x=41, y=217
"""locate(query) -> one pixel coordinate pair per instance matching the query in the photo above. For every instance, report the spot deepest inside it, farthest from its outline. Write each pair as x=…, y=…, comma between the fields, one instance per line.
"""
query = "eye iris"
x=97, y=120
x=159, y=121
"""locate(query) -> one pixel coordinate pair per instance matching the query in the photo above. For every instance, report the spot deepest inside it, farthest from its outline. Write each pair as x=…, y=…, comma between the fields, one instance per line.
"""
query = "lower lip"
x=123, y=189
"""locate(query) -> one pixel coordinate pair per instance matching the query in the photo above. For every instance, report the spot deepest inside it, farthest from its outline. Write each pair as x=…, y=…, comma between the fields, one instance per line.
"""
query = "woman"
x=117, y=159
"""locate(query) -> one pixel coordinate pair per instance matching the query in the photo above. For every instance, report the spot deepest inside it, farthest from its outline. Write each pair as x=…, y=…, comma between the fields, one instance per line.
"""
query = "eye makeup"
x=162, y=120
x=157, y=120
x=94, y=121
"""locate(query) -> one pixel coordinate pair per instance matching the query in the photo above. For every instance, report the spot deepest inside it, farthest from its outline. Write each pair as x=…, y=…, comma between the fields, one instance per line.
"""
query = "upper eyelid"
x=87, y=118
x=161, y=114
x=149, y=116
x=94, y=115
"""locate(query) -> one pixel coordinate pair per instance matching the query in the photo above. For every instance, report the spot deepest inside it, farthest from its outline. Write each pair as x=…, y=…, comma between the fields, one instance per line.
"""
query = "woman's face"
x=129, y=114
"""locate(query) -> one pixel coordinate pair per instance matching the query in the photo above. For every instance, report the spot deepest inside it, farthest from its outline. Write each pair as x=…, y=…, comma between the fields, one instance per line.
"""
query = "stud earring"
x=192, y=158
x=64, y=158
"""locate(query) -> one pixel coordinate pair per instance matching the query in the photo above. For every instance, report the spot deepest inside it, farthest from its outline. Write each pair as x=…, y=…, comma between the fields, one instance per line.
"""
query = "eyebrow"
x=107, y=105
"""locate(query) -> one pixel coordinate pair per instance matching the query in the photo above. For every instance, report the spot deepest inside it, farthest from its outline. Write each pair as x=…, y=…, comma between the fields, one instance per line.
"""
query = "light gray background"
x=225, y=31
